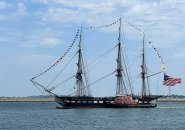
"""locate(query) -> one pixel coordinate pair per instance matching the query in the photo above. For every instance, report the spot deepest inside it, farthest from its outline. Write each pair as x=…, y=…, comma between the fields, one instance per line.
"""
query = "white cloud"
x=44, y=37
x=180, y=55
x=2, y=17
x=163, y=21
x=79, y=11
x=160, y=20
x=40, y=1
x=36, y=41
x=63, y=15
x=141, y=8
x=9, y=36
x=98, y=6
x=50, y=41
x=4, y=5
x=21, y=9
x=12, y=11
x=37, y=59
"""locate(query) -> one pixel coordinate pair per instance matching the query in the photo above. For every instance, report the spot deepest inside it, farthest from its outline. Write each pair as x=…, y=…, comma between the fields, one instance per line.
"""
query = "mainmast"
x=120, y=82
x=82, y=89
x=144, y=71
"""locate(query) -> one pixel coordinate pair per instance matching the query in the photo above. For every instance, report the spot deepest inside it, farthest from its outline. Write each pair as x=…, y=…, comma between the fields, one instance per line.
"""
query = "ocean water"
x=45, y=116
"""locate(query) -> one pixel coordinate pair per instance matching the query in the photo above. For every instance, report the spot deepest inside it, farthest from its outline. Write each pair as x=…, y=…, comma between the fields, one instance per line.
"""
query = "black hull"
x=102, y=102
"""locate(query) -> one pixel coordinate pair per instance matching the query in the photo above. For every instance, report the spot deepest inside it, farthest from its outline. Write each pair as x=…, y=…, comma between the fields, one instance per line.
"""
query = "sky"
x=35, y=33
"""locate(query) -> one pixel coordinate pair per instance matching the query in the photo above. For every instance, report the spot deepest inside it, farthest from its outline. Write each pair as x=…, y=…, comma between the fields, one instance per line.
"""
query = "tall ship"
x=124, y=95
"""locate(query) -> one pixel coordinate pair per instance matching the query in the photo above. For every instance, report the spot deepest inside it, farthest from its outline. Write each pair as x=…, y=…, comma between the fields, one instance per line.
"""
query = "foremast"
x=120, y=88
x=82, y=88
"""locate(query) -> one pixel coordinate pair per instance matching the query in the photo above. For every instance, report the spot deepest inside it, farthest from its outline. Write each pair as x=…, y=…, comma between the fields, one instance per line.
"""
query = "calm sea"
x=44, y=116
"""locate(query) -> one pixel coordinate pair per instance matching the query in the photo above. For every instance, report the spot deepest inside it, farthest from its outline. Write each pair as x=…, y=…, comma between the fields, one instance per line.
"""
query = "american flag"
x=171, y=81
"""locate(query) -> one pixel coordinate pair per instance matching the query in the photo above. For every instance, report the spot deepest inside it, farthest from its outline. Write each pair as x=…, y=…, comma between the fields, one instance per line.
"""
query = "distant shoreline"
x=169, y=99
x=25, y=99
x=50, y=99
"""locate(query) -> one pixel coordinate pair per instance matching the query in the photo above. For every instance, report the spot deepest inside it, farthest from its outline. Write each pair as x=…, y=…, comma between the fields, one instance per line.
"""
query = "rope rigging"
x=37, y=87
x=155, y=49
x=45, y=89
x=71, y=45
x=62, y=70
x=101, y=56
x=97, y=59
x=61, y=58
x=140, y=30
x=94, y=82
x=125, y=62
x=54, y=87
x=127, y=73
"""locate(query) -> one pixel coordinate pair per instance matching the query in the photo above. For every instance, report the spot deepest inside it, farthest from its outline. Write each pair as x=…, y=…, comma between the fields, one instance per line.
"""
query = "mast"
x=143, y=71
x=120, y=82
x=82, y=89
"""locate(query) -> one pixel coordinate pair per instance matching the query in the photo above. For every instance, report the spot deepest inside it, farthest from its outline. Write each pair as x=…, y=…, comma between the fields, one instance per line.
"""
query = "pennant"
x=74, y=40
x=102, y=26
x=163, y=67
x=160, y=58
